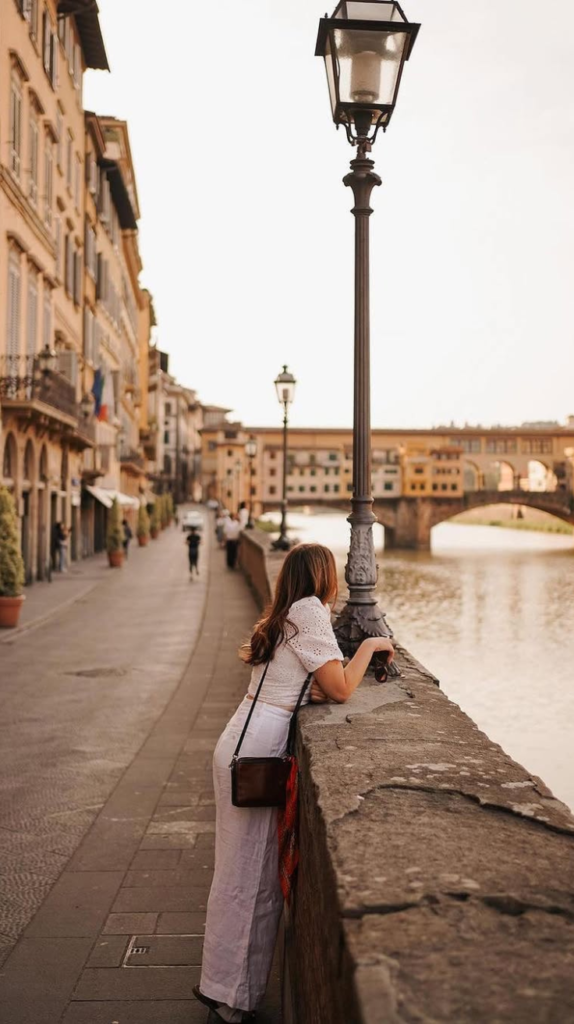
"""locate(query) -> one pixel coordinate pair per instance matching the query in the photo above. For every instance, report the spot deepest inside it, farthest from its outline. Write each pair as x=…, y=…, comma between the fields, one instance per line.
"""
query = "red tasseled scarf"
x=288, y=833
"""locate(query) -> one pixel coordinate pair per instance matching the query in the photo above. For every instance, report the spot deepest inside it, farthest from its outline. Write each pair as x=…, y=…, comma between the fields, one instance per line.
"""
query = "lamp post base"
x=281, y=544
x=358, y=622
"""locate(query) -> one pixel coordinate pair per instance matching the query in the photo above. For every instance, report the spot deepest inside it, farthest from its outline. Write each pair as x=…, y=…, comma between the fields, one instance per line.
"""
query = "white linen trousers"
x=245, y=902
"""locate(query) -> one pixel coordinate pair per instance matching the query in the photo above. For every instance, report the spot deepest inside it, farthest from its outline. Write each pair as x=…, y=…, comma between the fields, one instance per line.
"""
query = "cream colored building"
x=45, y=430
x=175, y=422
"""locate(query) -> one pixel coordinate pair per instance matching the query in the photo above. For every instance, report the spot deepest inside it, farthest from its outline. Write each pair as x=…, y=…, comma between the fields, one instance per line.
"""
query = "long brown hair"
x=308, y=571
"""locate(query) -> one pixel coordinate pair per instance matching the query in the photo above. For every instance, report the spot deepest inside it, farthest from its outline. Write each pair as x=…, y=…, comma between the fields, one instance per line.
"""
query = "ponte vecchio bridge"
x=420, y=477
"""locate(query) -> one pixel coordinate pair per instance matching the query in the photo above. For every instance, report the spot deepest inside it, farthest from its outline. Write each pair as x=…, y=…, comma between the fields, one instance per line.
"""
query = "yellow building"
x=45, y=427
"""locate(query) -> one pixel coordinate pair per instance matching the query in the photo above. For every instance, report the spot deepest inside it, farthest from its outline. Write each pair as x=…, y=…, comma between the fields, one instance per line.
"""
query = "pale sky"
x=246, y=234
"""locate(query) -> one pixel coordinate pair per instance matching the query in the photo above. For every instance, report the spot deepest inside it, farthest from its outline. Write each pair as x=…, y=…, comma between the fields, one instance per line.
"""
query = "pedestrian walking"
x=127, y=536
x=292, y=640
x=193, y=540
x=220, y=522
x=61, y=543
x=232, y=533
x=243, y=515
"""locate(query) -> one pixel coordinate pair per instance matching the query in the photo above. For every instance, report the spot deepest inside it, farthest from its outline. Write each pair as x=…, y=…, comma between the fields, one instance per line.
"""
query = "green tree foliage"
x=11, y=562
x=115, y=535
x=143, y=522
x=156, y=515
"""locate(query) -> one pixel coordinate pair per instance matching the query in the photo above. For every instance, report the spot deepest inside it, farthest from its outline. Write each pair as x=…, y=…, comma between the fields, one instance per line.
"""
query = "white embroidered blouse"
x=300, y=653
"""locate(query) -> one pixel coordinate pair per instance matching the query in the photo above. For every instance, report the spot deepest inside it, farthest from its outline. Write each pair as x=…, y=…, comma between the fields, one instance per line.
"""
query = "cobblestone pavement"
x=109, y=715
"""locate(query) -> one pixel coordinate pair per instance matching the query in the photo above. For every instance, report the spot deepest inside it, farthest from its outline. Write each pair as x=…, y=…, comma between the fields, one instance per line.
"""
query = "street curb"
x=15, y=634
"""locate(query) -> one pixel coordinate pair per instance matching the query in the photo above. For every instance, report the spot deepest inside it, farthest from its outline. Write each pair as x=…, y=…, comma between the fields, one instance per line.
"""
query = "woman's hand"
x=381, y=643
x=316, y=693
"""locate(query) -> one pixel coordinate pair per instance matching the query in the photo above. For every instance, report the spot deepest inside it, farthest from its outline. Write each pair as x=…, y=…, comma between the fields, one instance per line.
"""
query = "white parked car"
x=190, y=519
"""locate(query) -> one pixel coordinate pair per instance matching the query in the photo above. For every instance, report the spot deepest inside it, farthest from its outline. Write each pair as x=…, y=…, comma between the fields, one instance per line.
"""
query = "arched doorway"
x=42, y=546
x=10, y=464
x=28, y=509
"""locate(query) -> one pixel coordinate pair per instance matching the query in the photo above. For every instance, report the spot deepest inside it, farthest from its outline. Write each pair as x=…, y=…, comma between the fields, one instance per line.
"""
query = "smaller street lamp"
x=86, y=406
x=251, y=452
x=47, y=360
x=285, y=387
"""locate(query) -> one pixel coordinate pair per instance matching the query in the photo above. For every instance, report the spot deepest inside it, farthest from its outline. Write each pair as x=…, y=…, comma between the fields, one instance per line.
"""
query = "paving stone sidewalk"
x=118, y=938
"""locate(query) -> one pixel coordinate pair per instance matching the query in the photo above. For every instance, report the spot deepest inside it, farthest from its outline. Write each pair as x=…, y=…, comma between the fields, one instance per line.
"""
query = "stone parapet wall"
x=436, y=880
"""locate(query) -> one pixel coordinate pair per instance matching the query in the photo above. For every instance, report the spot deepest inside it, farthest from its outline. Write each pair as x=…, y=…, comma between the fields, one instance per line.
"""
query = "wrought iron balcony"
x=43, y=394
x=132, y=456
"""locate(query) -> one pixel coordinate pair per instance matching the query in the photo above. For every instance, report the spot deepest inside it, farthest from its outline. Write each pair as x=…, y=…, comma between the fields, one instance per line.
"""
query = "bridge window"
x=468, y=444
x=501, y=445
x=537, y=446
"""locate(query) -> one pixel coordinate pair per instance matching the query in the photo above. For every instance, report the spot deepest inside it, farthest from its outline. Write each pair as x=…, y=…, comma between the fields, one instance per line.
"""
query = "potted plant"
x=143, y=526
x=115, y=536
x=164, y=511
x=11, y=563
x=155, y=524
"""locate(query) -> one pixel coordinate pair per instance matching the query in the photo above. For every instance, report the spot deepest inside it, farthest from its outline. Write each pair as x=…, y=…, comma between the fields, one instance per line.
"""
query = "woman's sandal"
x=214, y=1006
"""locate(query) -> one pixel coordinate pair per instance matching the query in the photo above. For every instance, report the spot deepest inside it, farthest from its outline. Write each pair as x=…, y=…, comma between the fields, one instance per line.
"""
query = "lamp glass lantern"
x=47, y=360
x=365, y=44
x=285, y=386
x=86, y=405
x=251, y=448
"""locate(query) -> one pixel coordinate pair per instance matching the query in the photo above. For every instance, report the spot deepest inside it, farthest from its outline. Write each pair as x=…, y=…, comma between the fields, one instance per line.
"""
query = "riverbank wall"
x=436, y=880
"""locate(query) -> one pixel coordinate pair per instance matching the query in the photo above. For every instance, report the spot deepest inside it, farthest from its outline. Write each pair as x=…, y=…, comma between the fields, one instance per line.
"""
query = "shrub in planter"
x=164, y=511
x=115, y=536
x=143, y=526
x=155, y=524
x=11, y=563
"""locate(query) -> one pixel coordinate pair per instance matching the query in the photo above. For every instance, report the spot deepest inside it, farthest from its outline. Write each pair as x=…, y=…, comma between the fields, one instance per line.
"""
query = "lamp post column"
x=361, y=616
x=283, y=540
x=250, y=520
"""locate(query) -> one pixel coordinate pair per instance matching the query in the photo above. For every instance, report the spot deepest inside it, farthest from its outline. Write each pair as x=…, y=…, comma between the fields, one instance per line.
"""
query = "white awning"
x=106, y=497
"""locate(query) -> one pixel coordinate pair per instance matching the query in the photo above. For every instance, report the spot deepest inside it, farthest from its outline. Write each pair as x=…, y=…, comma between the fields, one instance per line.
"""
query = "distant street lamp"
x=285, y=386
x=365, y=45
x=251, y=452
x=47, y=360
x=238, y=468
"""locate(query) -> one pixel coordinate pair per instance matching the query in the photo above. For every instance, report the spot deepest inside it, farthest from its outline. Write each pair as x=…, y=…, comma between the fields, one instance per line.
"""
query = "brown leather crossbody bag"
x=262, y=781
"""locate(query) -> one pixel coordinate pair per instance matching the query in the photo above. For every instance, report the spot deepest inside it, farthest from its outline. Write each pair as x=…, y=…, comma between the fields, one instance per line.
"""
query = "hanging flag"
x=97, y=392
x=107, y=408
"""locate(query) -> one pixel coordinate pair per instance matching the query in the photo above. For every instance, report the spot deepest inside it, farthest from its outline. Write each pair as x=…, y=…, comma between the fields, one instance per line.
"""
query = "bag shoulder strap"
x=252, y=708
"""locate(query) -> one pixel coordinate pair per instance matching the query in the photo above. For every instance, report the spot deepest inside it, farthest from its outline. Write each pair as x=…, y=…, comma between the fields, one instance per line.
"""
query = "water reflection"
x=490, y=612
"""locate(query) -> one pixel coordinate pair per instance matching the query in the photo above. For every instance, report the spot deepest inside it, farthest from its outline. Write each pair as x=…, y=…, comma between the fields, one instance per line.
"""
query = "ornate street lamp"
x=365, y=45
x=86, y=406
x=251, y=452
x=47, y=361
x=285, y=386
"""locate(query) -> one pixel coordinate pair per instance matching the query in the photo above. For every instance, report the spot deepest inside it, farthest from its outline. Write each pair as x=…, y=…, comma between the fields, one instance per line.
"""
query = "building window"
x=50, y=49
x=336, y=488
x=69, y=160
x=77, y=179
x=388, y=486
x=313, y=472
x=313, y=489
x=301, y=490
x=60, y=141
x=90, y=251
x=14, y=296
x=15, y=125
x=349, y=487
x=58, y=237
x=32, y=311
x=326, y=488
x=419, y=469
x=168, y=410
x=47, y=317
x=272, y=455
x=272, y=490
x=333, y=456
x=33, y=154
x=272, y=471
x=77, y=278
x=48, y=180
x=88, y=335
x=166, y=437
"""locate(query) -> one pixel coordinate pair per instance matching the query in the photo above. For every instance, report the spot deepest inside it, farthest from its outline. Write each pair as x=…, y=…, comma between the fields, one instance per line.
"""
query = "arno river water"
x=490, y=612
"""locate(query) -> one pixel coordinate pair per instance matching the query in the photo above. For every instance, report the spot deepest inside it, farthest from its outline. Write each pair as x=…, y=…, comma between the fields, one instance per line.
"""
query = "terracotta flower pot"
x=142, y=541
x=10, y=611
x=153, y=533
x=116, y=559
